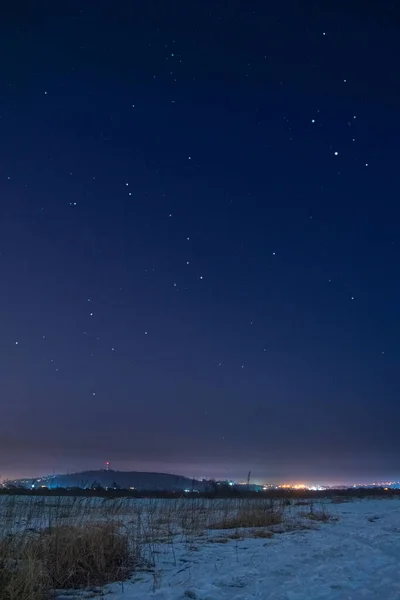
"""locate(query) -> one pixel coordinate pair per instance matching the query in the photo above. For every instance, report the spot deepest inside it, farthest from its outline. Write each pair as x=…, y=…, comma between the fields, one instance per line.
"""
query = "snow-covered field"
x=346, y=551
x=356, y=557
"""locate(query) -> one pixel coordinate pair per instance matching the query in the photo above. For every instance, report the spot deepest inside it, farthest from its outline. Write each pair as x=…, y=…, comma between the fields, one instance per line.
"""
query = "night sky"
x=199, y=238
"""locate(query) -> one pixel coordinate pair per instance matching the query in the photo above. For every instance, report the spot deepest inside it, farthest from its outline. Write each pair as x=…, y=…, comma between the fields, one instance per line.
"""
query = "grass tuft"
x=249, y=515
x=318, y=514
x=63, y=557
x=88, y=555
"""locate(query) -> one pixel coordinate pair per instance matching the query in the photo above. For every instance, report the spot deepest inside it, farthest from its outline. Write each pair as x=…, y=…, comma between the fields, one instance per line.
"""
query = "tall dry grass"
x=63, y=543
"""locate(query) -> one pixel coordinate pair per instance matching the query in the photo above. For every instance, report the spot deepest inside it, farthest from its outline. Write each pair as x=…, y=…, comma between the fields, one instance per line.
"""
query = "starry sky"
x=199, y=238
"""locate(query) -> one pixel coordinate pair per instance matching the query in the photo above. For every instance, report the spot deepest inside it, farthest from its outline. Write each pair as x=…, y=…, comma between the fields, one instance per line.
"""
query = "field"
x=236, y=549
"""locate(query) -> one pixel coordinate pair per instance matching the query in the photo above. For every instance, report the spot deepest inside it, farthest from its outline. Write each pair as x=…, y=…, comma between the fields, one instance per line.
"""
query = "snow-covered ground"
x=353, y=556
x=356, y=557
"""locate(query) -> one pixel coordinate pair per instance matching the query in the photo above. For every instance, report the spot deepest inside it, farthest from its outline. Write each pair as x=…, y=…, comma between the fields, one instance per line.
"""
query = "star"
x=253, y=186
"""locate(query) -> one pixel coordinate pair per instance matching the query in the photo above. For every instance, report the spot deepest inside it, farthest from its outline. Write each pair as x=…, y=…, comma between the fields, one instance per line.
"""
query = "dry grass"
x=252, y=514
x=24, y=581
x=241, y=534
x=89, y=555
x=60, y=543
x=67, y=544
x=261, y=533
x=318, y=514
x=63, y=557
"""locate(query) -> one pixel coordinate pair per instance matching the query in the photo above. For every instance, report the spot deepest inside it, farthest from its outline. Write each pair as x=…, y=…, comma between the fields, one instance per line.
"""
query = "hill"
x=139, y=480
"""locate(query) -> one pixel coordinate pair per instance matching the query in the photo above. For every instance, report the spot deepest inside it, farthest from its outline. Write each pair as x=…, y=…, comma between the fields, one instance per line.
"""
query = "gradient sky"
x=199, y=238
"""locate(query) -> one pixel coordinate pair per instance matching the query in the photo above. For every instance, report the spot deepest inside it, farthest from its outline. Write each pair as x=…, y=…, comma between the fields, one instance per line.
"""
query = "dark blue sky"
x=199, y=238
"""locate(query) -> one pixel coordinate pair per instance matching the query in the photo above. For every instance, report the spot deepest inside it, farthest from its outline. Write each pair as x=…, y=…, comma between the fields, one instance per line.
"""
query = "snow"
x=355, y=557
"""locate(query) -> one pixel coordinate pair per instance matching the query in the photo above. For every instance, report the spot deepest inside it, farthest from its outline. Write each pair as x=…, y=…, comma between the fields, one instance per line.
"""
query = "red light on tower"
x=107, y=465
